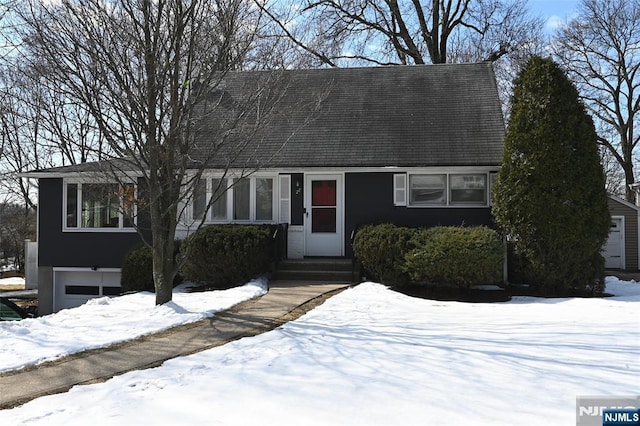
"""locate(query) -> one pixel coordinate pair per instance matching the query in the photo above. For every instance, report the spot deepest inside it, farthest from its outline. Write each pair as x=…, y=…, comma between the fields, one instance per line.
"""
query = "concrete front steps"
x=335, y=270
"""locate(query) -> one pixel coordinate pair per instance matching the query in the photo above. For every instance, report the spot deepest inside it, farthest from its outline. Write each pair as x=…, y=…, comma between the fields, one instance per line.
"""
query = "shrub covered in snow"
x=224, y=256
x=460, y=256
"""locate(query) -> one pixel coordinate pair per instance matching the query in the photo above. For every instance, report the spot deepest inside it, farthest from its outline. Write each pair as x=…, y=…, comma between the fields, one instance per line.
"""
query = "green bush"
x=224, y=256
x=381, y=249
x=137, y=270
x=460, y=256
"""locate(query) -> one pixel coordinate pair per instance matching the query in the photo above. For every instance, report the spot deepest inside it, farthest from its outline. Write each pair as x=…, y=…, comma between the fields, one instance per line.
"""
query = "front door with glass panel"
x=323, y=215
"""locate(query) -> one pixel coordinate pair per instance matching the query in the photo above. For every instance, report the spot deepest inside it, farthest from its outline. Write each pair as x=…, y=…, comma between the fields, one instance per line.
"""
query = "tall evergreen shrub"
x=550, y=193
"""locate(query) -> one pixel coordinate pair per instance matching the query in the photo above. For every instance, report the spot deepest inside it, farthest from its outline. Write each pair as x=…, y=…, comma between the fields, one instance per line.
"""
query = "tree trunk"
x=630, y=194
x=163, y=267
x=163, y=228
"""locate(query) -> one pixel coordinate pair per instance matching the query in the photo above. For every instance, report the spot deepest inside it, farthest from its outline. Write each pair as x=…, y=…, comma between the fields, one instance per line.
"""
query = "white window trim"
x=80, y=182
x=275, y=199
x=448, y=204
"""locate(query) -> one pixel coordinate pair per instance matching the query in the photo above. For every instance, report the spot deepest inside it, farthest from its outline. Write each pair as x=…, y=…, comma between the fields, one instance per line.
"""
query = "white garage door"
x=614, y=247
x=74, y=287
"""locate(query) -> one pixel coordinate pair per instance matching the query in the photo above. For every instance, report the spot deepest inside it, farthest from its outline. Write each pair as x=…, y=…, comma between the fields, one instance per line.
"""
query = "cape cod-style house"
x=412, y=145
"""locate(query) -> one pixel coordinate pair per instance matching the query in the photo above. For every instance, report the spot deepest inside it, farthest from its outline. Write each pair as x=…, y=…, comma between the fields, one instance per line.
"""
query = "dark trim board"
x=369, y=200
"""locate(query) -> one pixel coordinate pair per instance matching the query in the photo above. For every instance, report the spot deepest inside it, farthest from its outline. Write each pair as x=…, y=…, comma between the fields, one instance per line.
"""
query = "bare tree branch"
x=601, y=51
x=147, y=72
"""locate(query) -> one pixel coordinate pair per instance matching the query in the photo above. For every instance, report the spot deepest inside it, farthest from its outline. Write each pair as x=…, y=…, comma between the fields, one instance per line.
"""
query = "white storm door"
x=324, y=215
x=614, y=246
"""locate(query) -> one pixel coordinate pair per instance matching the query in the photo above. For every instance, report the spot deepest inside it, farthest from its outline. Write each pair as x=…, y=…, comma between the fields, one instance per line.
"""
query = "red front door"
x=323, y=227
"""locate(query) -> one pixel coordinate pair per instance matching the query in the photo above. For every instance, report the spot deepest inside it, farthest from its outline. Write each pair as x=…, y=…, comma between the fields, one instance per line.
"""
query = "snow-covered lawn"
x=104, y=321
x=370, y=356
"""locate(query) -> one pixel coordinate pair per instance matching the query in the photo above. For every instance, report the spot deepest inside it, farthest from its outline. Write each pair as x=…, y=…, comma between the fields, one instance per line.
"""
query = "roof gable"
x=402, y=116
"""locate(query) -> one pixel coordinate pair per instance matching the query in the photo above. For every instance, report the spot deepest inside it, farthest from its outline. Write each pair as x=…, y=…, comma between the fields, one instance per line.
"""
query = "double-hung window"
x=242, y=200
x=205, y=190
x=441, y=189
x=468, y=189
x=428, y=190
x=249, y=199
x=92, y=206
x=264, y=199
x=218, y=209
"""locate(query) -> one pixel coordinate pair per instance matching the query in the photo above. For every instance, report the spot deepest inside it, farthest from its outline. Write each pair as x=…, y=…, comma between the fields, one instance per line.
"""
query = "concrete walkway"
x=284, y=301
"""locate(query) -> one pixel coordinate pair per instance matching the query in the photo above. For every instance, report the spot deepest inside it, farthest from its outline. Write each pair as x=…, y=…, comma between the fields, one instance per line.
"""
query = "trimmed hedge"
x=440, y=256
x=381, y=250
x=224, y=256
x=460, y=256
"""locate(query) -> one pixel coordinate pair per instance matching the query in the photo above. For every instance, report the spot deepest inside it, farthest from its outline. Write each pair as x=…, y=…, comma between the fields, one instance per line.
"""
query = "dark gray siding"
x=630, y=214
x=369, y=199
x=75, y=249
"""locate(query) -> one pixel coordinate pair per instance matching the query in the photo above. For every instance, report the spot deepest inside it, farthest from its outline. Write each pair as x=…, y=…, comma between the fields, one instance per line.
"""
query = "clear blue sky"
x=554, y=11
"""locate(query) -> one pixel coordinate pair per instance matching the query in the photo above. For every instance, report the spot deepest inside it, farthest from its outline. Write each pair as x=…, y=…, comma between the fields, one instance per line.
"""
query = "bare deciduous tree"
x=391, y=32
x=40, y=128
x=147, y=71
x=17, y=223
x=600, y=49
x=406, y=32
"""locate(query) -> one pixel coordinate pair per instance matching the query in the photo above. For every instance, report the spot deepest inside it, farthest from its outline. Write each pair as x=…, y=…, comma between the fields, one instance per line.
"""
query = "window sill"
x=99, y=230
x=450, y=206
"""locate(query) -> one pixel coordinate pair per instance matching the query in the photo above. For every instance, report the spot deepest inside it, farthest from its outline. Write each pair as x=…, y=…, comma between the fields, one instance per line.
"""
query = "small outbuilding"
x=621, y=249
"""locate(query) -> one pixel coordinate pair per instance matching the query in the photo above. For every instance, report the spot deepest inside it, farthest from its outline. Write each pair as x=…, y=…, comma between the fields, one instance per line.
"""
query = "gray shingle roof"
x=401, y=116
x=404, y=116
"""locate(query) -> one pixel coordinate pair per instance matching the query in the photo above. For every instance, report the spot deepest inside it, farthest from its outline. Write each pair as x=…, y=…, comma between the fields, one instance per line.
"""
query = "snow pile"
x=12, y=281
x=370, y=356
